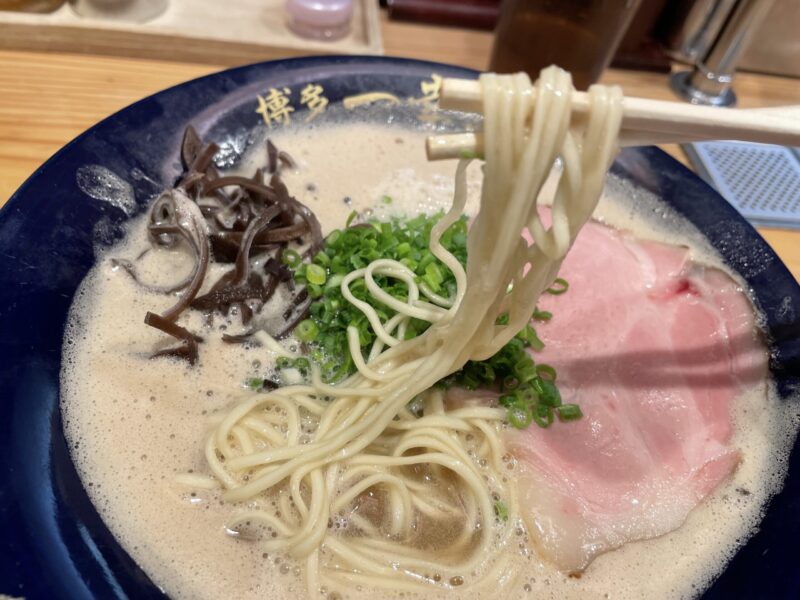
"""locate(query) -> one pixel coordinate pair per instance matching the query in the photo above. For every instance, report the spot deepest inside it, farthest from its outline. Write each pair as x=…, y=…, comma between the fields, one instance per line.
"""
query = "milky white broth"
x=134, y=423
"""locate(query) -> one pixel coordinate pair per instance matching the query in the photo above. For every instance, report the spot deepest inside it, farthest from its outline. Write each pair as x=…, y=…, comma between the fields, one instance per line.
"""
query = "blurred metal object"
x=693, y=27
x=711, y=80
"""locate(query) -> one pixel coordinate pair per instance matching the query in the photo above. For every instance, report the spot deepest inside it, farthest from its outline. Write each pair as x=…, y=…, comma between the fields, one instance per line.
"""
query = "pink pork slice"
x=654, y=348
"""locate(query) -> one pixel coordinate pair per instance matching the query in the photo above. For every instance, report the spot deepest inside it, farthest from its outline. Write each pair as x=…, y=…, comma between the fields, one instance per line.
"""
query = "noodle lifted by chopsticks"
x=349, y=479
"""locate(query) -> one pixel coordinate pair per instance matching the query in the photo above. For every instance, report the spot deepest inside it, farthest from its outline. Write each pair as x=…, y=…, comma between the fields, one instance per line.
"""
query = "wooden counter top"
x=48, y=99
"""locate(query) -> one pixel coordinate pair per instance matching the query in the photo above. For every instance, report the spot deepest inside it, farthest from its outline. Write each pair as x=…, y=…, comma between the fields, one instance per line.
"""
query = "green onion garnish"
x=519, y=417
x=306, y=331
x=315, y=291
x=255, y=383
x=569, y=412
x=501, y=510
x=543, y=415
x=302, y=364
x=322, y=259
x=548, y=393
x=315, y=274
x=290, y=258
x=386, y=199
x=433, y=276
x=345, y=250
x=332, y=238
x=525, y=370
x=546, y=372
x=528, y=390
x=559, y=287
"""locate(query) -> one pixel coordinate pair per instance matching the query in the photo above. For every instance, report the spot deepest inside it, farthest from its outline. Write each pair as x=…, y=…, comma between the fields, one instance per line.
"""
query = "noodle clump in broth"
x=316, y=449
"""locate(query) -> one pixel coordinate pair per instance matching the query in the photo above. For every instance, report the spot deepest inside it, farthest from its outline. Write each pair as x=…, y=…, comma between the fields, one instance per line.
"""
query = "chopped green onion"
x=543, y=415
x=433, y=276
x=333, y=238
x=427, y=259
x=302, y=365
x=534, y=341
x=290, y=258
x=306, y=331
x=501, y=510
x=546, y=372
x=469, y=381
x=519, y=417
x=469, y=154
x=315, y=274
x=530, y=338
x=404, y=240
x=484, y=371
x=283, y=362
x=409, y=262
x=528, y=390
x=506, y=400
x=334, y=282
x=548, y=393
x=525, y=370
x=322, y=259
x=559, y=287
x=350, y=218
x=255, y=383
x=386, y=199
x=569, y=412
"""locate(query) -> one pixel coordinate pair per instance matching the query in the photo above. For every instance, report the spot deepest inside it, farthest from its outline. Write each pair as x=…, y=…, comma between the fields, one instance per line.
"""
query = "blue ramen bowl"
x=52, y=541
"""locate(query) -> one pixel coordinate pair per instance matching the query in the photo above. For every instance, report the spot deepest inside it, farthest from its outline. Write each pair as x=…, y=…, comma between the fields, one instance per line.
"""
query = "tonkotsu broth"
x=134, y=423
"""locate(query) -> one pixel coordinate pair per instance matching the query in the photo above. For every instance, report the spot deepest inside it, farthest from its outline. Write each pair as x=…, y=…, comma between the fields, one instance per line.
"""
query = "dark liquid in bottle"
x=577, y=35
x=38, y=6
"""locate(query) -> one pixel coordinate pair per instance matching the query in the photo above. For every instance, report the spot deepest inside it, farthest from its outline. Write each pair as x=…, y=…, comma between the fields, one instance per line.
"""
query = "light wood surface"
x=224, y=33
x=48, y=99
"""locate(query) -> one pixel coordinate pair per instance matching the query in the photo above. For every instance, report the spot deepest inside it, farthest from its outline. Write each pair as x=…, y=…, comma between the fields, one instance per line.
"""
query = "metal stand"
x=711, y=80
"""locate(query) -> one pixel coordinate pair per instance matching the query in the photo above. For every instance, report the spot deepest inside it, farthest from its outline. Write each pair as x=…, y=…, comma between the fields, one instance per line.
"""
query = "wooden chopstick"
x=644, y=122
x=469, y=145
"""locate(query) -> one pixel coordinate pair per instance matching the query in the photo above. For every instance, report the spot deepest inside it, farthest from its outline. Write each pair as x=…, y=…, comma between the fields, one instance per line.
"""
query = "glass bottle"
x=580, y=36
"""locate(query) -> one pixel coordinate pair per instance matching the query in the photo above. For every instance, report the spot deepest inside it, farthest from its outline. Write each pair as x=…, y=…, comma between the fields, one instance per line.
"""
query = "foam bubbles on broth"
x=134, y=423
